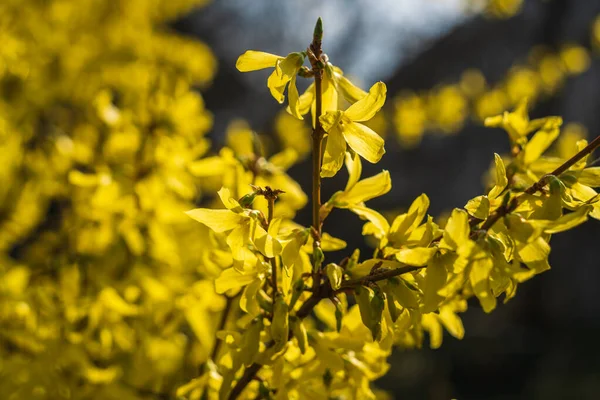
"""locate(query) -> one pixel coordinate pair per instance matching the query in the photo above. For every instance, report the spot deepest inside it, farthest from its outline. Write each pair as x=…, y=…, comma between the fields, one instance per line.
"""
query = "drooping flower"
x=284, y=75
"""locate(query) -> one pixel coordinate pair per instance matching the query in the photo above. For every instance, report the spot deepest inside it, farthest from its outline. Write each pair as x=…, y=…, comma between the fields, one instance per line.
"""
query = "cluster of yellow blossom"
x=109, y=290
x=447, y=108
x=300, y=325
x=101, y=296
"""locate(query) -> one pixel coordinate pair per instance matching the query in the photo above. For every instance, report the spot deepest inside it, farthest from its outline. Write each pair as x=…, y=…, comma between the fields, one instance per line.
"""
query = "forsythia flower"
x=284, y=75
x=343, y=128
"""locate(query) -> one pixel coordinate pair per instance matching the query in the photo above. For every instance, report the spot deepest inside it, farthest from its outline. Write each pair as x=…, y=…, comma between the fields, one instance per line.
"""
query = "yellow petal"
x=365, y=190
x=333, y=158
x=480, y=277
x=266, y=242
x=354, y=167
x=254, y=60
x=540, y=142
x=248, y=302
x=306, y=99
x=590, y=177
x=452, y=323
x=479, y=207
x=417, y=257
x=209, y=166
x=366, y=108
x=285, y=70
x=228, y=201
x=435, y=279
x=293, y=99
x=330, y=95
x=363, y=140
x=568, y=221
x=217, y=220
x=404, y=224
x=501, y=179
x=231, y=279
x=237, y=241
x=535, y=255
x=432, y=325
x=350, y=92
x=330, y=243
x=378, y=220
x=456, y=232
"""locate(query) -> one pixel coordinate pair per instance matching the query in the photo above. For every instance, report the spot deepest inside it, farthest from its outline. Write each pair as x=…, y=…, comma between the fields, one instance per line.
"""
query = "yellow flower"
x=517, y=123
x=334, y=83
x=342, y=127
x=286, y=70
x=244, y=226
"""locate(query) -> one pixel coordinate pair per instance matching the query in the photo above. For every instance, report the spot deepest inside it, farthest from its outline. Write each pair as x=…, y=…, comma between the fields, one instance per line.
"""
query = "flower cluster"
x=447, y=108
x=301, y=325
x=100, y=295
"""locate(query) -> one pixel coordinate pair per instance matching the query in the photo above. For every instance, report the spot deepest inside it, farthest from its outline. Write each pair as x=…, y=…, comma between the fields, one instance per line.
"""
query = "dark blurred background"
x=543, y=343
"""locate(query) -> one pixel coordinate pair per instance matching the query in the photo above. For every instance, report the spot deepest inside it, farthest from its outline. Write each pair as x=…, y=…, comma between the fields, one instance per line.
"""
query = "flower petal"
x=368, y=106
x=335, y=148
x=293, y=99
x=364, y=141
x=501, y=179
x=217, y=220
x=285, y=70
x=354, y=167
x=255, y=60
x=350, y=92
x=379, y=222
x=228, y=201
x=365, y=190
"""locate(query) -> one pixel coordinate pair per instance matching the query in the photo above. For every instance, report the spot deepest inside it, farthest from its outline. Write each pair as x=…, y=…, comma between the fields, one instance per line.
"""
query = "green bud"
x=247, y=200
x=318, y=32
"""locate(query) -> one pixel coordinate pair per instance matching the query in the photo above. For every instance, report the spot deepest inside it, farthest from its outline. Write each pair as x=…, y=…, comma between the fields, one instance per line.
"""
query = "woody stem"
x=314, y=54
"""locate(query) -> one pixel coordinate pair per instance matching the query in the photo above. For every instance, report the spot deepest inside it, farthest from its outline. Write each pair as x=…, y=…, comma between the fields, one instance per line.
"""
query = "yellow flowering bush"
x=299, y=324
x=447, y=108
x=101, y=296
x=110, y=290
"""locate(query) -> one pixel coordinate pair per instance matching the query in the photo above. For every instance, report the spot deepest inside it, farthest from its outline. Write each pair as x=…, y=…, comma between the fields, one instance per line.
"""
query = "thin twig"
x=377, y=276
x=315, y=51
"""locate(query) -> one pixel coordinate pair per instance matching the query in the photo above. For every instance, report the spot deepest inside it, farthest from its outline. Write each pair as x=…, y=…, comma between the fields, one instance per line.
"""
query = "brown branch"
x=502, y=211
x=241, y=384
x=315, y=52
x=378, y=276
